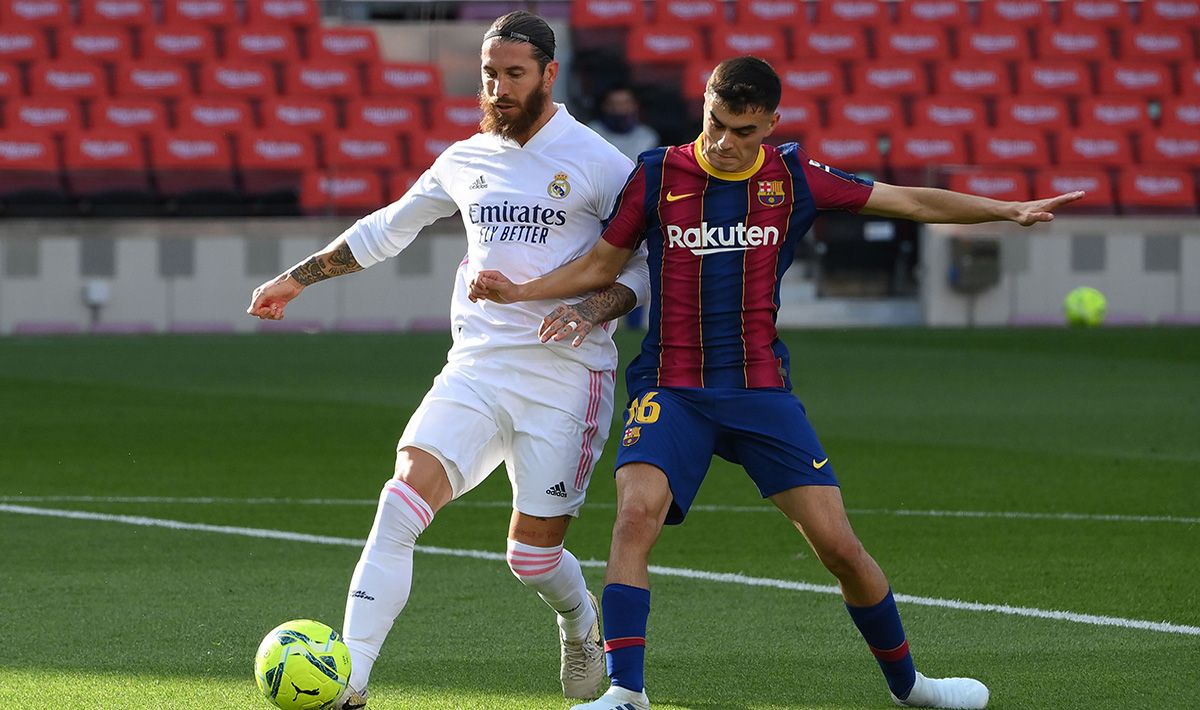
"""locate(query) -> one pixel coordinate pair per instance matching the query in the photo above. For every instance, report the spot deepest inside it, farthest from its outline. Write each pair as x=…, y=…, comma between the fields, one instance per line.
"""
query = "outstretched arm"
x=934, y=206
x=269, y=300
x=596, y=269
x=579, y=319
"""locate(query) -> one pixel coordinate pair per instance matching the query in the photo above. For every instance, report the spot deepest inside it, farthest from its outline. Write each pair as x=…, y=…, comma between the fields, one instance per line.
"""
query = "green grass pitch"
x=1102, y=423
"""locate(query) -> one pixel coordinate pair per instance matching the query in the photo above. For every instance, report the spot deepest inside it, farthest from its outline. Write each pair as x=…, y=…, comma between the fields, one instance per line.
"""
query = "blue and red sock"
x=626, y=611
x=881, y=628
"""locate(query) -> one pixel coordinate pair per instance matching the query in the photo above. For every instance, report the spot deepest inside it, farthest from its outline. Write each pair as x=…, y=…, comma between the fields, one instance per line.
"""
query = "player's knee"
x=637, y=525
x=844, y=556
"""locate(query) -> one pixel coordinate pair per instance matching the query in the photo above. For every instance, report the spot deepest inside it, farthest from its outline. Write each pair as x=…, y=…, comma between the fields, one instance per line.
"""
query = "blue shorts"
x=766, y=431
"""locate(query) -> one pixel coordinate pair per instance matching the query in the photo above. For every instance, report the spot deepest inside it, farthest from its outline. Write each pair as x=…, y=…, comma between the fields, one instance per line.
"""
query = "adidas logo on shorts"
x=558, y=489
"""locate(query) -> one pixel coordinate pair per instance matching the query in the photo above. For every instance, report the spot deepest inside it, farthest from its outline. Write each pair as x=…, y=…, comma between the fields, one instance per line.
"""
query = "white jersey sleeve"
x=386, y=232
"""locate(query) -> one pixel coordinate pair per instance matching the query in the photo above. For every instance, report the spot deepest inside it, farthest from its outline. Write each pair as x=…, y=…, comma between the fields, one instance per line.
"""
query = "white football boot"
x=582, y=671
x=350, y=699
x=953, y=693
x=617, y=698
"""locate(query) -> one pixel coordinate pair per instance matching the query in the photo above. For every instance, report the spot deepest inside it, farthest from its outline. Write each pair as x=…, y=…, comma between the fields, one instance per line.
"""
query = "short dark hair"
x=745, y=84
x=522, y=26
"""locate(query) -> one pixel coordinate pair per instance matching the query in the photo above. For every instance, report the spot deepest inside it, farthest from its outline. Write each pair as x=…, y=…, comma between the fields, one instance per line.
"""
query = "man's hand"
x=1043, y=210
x=565, y=321
x=268, y=300
x=493, y=286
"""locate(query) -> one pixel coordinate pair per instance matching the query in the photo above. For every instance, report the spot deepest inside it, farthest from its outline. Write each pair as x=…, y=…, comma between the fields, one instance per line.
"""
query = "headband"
x=520, y=36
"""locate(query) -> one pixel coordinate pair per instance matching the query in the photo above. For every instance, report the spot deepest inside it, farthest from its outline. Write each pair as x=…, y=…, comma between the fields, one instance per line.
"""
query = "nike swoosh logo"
x=818, y=464
x=673, y=198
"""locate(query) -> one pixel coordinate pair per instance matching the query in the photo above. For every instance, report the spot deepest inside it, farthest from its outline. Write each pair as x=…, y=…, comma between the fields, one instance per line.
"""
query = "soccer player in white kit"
x=533, y=188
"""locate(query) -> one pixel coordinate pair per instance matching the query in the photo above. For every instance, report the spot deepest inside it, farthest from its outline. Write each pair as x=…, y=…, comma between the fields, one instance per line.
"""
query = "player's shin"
x=881, y=628
x=556, y=576
x=382, y=580
x=626, y=613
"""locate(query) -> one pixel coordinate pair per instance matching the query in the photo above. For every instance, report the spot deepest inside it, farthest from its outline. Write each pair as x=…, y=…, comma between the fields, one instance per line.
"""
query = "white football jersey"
x=527, y=210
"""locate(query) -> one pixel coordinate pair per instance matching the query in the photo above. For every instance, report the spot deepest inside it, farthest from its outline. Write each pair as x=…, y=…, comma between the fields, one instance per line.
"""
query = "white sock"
x=382, y=580
x=556, y=576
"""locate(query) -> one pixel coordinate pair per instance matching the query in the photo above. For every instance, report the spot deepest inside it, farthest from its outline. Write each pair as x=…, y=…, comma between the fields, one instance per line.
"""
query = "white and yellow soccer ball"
x=302, y=665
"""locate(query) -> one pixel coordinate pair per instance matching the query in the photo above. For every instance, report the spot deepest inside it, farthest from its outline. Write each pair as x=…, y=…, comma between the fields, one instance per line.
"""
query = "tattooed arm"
x=269, y=299
x=579, y=319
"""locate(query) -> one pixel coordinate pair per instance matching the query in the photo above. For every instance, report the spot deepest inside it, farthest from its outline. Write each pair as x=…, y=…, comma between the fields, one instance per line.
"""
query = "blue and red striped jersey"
x=719, y=244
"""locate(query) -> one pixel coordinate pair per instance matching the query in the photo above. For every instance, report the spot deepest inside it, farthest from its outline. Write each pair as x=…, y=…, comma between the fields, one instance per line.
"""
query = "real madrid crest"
x=632, y=434
x=559, y=187
x=770, y=192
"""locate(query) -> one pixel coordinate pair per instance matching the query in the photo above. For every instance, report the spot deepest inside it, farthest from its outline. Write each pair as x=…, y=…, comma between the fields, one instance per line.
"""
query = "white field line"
x=903, y=512
x=724, y=578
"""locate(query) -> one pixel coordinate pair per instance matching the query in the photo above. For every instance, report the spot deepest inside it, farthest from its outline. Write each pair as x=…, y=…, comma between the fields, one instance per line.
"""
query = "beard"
x=515, y=126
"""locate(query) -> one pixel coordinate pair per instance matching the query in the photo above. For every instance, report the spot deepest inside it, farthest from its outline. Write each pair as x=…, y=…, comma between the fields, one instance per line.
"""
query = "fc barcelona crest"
x=559, y=188
x=770, y=192
x=632, y=434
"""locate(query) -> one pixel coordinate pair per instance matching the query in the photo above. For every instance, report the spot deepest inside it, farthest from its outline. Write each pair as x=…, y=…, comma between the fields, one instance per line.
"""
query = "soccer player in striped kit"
x=722, y=217
x=533, y=187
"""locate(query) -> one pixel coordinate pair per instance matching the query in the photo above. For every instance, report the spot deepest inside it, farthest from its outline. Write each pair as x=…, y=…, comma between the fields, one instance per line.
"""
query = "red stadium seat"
x=693, y=13
x=272, y=162
x=1171, y=44
x=783, y=13
x=1106, y=13
x=866, y=111
x=851, y=12
x=1010, y=185
x=359, y=149
x=22, y=44
x=994, y=42
x=851, y=149
x=1150, y=79
x=1074, y=41
x=184, y=43
x=913, y=41
x=949, y=112
x=123, y=13
x=766, y=43
x=460, y=113
x=211, y=13
x=1094, y=146
x=1181, y=114
x=1173, y=148
x=895, y=77
x=812, y=78
x=153, y=80
x=1032, y=111
x=798, y=115
x=10, y=80
x=594, y=14
x=51, y=114
x=1145, y=188
x=1011, y=147
x=324, y=78
x=106, y=44
x=404, y=80
x=982, y=77
x=351, y=44
x=658, y=44
x=1182, y=13
x=192, y=161
x=926, y=149
x=1063, y=77
x=1127, y=112
x=100, y=161
x=28, y=163
x=142, y=115
x=396, y=115
x=830, y=42
x=1013, y=13
x=262, y=44
x=227, y=114
x=35, y=13
x=352, y=192
x=945, y=13
x=80, y=79
x=289, y=113
x=426, y=146
x=399, y=182
x=290, y=13
x=695, y=78
x=1189, y=79
x=248, y=80
x=1060, y=180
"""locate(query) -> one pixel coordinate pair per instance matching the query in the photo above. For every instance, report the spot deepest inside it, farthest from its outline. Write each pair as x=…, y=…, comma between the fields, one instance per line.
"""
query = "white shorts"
x=545, y=417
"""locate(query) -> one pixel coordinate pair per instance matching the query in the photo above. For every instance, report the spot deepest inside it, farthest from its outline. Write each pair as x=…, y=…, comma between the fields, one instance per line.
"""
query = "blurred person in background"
x=619, y=122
